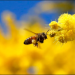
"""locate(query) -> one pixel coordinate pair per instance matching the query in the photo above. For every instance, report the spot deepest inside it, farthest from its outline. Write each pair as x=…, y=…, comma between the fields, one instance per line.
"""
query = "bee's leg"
x=34, y=41
x=36, y=44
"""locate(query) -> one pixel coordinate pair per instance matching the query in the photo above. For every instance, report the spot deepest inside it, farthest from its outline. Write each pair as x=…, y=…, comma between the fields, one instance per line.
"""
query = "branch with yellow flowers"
x=64, y=29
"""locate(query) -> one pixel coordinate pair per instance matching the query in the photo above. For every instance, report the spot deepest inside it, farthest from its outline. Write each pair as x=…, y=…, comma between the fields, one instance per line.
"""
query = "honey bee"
x=38, y=37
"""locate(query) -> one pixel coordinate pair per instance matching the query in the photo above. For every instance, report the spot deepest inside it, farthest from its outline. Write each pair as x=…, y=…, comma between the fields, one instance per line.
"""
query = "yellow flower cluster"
x=65, y=28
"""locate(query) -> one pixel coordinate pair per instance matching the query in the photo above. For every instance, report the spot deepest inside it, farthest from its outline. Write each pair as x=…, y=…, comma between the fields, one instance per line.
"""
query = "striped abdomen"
x=29, y=40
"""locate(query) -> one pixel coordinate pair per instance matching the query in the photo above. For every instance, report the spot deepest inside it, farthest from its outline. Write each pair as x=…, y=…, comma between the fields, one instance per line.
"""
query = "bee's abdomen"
x=28, y=41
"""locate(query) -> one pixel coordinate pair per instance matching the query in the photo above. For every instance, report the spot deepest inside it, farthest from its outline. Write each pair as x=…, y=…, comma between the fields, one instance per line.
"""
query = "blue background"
x=20, y=8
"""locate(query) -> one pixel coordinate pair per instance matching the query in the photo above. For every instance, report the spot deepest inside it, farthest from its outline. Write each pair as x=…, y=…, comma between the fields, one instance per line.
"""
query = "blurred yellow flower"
x=17, y=58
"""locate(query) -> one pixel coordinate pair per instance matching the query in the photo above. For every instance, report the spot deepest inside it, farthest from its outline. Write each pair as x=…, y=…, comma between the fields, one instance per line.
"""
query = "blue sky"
x=17, y=7
x=20, y=8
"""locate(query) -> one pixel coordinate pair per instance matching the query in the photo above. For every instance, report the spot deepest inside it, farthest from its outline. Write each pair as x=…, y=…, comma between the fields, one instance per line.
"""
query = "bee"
x=38, y=37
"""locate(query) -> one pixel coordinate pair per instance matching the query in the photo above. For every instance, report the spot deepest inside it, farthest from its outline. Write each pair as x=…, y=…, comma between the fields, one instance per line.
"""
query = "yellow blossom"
x=67, y=24
x=66, y=21
x=61, y=38
x=54, y=25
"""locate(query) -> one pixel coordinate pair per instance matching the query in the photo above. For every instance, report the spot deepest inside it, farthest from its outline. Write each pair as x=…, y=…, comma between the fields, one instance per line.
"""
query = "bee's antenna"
x=30, y=31
x=47, y=31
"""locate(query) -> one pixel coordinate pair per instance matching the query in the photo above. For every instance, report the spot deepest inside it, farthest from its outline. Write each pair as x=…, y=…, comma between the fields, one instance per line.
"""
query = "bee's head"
x=44, y=35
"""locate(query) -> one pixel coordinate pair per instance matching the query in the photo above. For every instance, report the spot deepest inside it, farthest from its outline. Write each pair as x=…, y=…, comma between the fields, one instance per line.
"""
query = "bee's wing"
x=30, y=31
